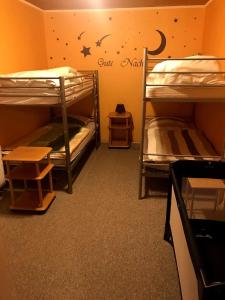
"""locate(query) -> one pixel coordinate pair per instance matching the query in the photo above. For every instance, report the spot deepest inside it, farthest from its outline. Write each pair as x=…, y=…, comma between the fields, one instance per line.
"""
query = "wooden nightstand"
x=120, y=130
x=29, y=164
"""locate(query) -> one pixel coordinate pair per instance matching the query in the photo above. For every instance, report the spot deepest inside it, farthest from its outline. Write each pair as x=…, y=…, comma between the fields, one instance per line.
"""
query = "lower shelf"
x=28, y=201
x=119, y=144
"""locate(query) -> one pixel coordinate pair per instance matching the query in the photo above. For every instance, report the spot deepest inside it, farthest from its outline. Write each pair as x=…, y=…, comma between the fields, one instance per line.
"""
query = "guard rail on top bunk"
x=54, y=92
x=167, y=80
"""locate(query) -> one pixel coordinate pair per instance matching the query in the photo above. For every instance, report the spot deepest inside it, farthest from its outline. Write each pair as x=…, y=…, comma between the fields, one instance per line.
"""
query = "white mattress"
x=43, y=86
x=169, y=139
x=191, y=78
x=188, y=94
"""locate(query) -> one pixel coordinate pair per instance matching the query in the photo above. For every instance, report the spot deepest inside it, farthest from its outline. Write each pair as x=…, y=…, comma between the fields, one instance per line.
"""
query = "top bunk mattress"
x=194, y=78
x=187, y=94
x=44, y=87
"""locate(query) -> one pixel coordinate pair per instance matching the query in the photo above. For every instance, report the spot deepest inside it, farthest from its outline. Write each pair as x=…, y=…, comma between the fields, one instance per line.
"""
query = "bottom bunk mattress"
x=81, y=131
x=172, y=138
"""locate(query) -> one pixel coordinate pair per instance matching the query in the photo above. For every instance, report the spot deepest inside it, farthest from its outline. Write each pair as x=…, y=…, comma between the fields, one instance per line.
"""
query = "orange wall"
x=122, y=34
x=211, y=117
x=21, y=37
x=22, y=47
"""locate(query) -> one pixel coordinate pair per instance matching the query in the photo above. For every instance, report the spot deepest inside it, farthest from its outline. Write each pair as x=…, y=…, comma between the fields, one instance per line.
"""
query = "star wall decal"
x=86, y=51
x=80, y=35
x=99, y=42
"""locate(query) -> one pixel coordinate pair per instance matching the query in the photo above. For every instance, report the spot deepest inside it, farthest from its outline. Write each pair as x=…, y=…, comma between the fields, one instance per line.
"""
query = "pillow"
x=195, y=65
x=67, y=72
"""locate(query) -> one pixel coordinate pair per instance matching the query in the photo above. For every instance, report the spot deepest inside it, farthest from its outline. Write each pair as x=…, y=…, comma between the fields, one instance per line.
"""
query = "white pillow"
x=198, y=64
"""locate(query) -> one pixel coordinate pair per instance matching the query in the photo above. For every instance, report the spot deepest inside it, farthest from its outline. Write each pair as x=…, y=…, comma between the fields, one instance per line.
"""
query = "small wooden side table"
x=196, y=184
x=29, y=164
x=120, y=130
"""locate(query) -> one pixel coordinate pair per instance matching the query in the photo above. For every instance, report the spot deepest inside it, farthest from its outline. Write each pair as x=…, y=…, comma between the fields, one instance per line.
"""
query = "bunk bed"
x=165, y=139
x=58, y=89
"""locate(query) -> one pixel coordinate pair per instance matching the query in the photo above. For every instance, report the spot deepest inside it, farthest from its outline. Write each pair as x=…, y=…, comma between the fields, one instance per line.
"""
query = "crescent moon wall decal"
x=161, y=46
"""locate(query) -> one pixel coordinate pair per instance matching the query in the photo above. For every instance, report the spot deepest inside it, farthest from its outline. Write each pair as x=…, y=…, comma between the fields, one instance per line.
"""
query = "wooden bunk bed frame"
x=200, y=93
x=90, y=78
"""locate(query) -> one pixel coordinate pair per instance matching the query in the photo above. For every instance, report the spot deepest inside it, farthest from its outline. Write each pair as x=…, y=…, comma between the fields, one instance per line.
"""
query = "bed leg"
x=70, y=182
x=70, y=188
x=140, y=185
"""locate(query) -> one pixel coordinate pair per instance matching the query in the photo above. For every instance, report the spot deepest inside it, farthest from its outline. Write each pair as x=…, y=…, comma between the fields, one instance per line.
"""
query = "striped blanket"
x=171, y=139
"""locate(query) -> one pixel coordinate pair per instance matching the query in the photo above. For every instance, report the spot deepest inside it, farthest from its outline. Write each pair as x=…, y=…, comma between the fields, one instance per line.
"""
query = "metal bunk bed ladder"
x=66, y=134
x=143, y=124
x=96, y=116
x=96, y=109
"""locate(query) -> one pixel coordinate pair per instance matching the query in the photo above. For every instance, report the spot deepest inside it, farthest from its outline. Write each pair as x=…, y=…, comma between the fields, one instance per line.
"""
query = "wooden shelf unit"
x=28, y=164
x=194, y=185
x=120, y=130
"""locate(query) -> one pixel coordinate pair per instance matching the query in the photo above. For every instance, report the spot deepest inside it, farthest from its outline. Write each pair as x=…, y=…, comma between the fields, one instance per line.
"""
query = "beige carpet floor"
x=99, y=243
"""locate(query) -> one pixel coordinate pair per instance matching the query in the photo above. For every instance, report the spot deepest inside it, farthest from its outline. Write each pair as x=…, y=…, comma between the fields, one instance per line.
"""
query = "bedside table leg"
x=12, y=192
x=219, y=198
x=10, y=183
x=40, y=195
x=50, y=181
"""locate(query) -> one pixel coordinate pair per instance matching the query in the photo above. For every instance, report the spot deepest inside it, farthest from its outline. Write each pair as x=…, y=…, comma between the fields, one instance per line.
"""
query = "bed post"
x=143, y=123
x=96, y=109
x=223, y=152
x=66, y=134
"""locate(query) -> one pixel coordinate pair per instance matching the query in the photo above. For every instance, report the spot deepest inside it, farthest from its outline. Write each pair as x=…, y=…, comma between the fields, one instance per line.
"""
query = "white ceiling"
x=87, y=4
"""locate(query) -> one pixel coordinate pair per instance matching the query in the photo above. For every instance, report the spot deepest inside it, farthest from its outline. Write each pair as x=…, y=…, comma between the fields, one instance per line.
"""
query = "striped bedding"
x=168, y=139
